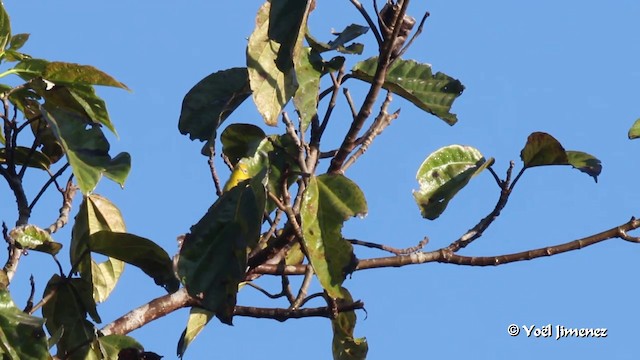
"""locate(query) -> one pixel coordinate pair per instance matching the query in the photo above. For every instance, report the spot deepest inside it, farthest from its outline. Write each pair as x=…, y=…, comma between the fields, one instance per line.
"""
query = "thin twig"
x=212, y=168
x=32, y=293
x=302, y=293
x=352, y=107
x=51, y=180
x=390, y=249
x=67, y=201
x=415, y=35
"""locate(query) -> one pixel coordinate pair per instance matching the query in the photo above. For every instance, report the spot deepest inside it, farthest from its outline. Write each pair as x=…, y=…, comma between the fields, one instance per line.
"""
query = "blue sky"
x=558, y=67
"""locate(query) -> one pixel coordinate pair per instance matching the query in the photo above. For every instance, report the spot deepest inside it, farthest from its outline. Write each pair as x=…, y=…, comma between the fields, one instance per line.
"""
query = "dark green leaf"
x=308, y=69
x=17, y=41
x=543, y=149
x=69, y=73
x=21, y=335
x=22, y=155
x=345, y=346
x=198, y=319
x=240, y=140
x=33, y=238
x=269, y=62
x=634, y=131
x=286, y=20
x=67, y=309
x=13, y=55
x=329, y=200
x=111, y=345
x=96, y=214
x=585, y=162
x=29, y=69
x=415, y=82
x=213, y=257
x=138, y=251
x=211, y=101
x=339, y=43
x=86, y=148
x=443, y=173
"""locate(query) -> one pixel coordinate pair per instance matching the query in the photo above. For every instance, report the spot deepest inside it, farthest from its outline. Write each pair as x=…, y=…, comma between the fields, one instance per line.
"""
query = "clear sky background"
x=566, y=68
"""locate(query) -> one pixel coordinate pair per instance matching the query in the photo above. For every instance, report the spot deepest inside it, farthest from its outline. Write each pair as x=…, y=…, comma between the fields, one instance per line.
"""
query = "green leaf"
x=634, y=131
x=67, y=308
x=213, y=257
x=443, y=173
x=585, y=162
x=17, y=41
x=29, y=69
x=415, y=82
x=308, y=69
x=543, y=149
x=198, y=319
x=345, y=346
x=240, y=140
x=13, y=55
x=96, y=214
x=137, y=251
x=328, y=201
x=271, y=54
x=339, y=43
x=211, y=101
x=21, y=335
x=111, y=345
x=86, y=148
x=33, y=238
x=23, y=155
x=5, y=28
x=70, y=73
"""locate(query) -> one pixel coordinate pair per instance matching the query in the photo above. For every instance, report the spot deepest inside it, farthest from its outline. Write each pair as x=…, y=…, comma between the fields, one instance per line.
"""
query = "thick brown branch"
x=286, y=314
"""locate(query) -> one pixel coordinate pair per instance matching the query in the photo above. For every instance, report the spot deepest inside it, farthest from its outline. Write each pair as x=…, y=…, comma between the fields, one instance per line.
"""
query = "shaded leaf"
x=22, y=155
x=34, y=238
x=86, y=148
x=29, y=69
x=138, y=251
x=213, y=257
x=211, y=101
x=443, y=173
x=585, y=162
x=17, y=41
x=415, y=82
x=344, y=345
x=634, y=131
x=67, y=309
x=351, y=32
x=96, y=214
x=198, y=319
x=13, y=55
x=111, y=345
x=21, y=335
x=5, y=28
x=240, y=140
x=271, y=73
x=543, y=149
x=308, y=69
x=328, y=201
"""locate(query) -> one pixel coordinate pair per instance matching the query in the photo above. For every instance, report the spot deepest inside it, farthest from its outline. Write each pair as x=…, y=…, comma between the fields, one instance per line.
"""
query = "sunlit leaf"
x=23, y=155
x=213, y=257
x=211, y=101
x=87, y=149
x=634, y=131
x=415, y=82
x=543, y=149
x=270, y=55
x=138, y=251
x=21, y=335
x=240, y=140
x=443, y=173
x=5, y=28
x=308, y=67
x=585, y=162
x=198, y=319
x=96, y=214
x=111, y=345
x=344, y=345
x=330, y=200
x=34, y=238
x=70, y=73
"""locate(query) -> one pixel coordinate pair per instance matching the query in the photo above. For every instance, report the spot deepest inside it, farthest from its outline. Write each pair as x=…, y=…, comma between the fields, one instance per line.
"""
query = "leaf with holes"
x=443, y=173
x=328, y=202
x=415, y=82
x=351, y=32
x=34, y=238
